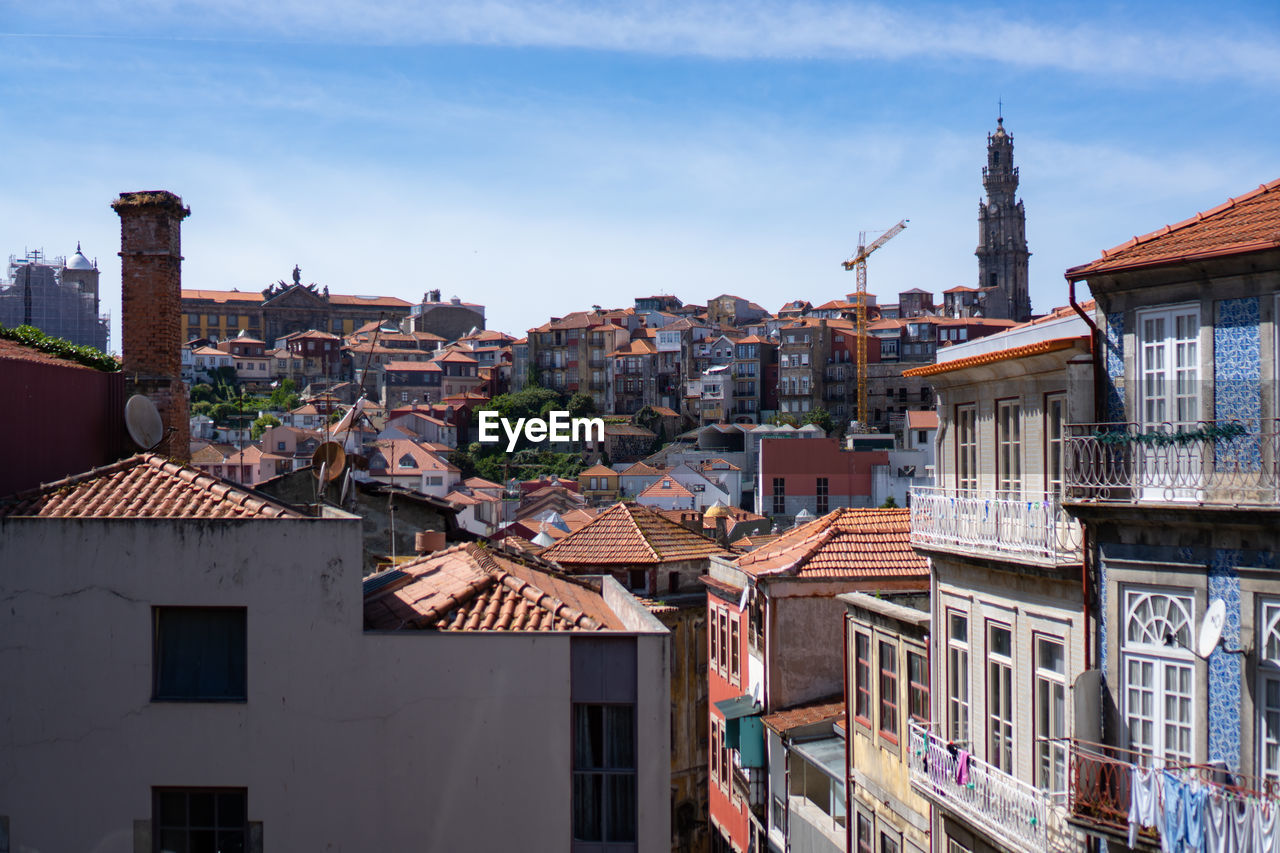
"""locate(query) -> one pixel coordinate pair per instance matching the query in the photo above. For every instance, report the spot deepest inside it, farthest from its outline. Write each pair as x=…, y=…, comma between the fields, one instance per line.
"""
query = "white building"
x=220, y=668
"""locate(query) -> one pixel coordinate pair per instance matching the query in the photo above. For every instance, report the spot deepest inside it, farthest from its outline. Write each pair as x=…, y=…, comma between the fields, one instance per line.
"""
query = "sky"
x=542, y=157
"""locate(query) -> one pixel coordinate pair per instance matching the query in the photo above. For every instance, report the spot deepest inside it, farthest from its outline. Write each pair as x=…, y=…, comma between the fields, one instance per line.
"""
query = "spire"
x=1002, y=238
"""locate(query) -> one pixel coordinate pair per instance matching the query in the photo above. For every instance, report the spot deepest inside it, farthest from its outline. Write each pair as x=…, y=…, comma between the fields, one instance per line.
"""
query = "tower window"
x=995, y=157
x=991, y=279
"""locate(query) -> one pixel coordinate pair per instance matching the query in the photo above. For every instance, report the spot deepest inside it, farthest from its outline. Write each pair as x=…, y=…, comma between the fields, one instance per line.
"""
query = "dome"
x=78, y=261
x=718, y=510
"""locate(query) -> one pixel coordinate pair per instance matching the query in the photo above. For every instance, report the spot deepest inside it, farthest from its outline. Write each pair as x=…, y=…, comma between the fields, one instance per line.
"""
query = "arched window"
x=406, y=461
x=1158, y=670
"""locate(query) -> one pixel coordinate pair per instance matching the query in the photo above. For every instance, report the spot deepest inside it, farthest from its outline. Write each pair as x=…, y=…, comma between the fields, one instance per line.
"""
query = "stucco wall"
x=348, y=741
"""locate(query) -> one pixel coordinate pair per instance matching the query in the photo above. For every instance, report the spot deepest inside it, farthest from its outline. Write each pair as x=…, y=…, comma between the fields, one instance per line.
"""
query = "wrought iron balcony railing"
x=999, y=524
x=1101, y=777
x=1018, y=815
x=1216, y=462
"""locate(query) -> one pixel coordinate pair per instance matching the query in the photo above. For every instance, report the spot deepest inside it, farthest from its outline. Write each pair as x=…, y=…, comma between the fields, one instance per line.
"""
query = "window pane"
x=621, y=820
x=622, y=742
x=588, y=737
x=200, y=653
x=587, y=816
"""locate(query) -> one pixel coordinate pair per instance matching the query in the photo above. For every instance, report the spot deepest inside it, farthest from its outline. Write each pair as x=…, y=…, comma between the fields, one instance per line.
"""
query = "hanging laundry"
x=1240, y=824
x=962, y=767
x=1266, y=827
x=1142, y=800
x=1193, y=797
x=1217, y=833
x=1173, y=825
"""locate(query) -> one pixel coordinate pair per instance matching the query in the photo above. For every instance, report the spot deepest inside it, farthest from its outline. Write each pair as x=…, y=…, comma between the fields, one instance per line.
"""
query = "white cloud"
x=722, y=30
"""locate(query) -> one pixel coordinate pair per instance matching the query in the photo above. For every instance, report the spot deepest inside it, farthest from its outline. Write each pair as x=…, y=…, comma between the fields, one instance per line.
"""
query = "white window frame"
x=1162, y=386
x=1009, y=446
x=1163, y=661
x=1049, y=716
x=1268, y=709
x=966, y=447
x=1000, y=702
x=1055, y=432
x=959, y=694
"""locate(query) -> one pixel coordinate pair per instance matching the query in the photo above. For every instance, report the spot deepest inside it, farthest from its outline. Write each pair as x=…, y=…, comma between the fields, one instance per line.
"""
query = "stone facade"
x=1002, y=233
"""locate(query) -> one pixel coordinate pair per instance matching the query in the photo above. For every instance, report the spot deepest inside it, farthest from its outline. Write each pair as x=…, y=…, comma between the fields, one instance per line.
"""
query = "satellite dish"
x=329, y=459
x=143, y=422
x=1211, y=628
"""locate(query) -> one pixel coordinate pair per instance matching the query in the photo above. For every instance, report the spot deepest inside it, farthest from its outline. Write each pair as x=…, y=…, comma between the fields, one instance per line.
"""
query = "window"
x=715, y=750
x=862, y=678
x=779, y=495
x=734, y=649
x=1269, y=692
x=967, y=448
x=1000, y=697
x=1009, y=446
x=1050, y=714
x=889, y=842
x=604, y=772
x=1159, y=674
x=888, y=691
x=864, y=834
x=406, y=461
x=918, y=687
x=199, y=819
x=714, y=633
x=724, y=639
x=821, y=492
x=958, y=677
x=1169, y=366
x=199, y=654
x=1055, y=420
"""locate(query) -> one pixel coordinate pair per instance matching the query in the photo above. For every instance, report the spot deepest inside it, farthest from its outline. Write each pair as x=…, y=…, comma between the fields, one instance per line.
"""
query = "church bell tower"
x=1002, y=233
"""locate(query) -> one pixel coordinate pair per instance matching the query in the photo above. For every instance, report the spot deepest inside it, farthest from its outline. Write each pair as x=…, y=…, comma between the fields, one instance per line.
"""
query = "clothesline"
x=1194, y=816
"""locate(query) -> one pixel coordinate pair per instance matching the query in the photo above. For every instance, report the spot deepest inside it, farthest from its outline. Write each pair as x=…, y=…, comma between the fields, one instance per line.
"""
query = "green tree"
x=202, y=392
x=784, y=419
x=285, y=397
x=822, y=418
x=260, y=425
x=889, y=503
x=581, y=404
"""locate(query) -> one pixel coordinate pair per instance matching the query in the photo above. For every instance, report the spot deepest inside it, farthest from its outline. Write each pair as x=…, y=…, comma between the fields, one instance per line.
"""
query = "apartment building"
x=282, y=309
x=1176, y=480
x=570, y=354
x=1009, y=631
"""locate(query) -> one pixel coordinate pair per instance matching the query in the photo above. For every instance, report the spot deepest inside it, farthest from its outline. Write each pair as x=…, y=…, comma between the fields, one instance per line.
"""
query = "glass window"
x=1009, y=446
x=889, y=691
x=734, y=643
x=1055, y=421
x=967, y=448
x=779, y=495
x=958, y=677
x=200, y=818
x=1158, y=670
x=1000, y=697
x=199, y=653
x=604, y=773
x=724, y=639
x=1050, y=714
x=821, y=492
x=864, y=834
x=713, y=631
x=1269, y=693
x=1169, y=366
x=862, y=678
x=918, y=687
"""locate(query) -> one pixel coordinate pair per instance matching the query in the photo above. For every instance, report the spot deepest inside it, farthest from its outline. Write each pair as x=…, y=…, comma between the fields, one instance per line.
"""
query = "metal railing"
x=1100, y=778
x=1220, y=462
x=996, y=523
x=1011, y=811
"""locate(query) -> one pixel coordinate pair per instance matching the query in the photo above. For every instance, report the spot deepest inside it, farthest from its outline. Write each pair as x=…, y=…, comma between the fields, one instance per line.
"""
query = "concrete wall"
x=347, y=741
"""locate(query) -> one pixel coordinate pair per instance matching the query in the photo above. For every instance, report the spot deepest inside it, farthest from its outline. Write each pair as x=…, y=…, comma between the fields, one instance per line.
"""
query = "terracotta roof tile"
x=470, y=588
x=631, y=534
x=1038, y=348
x=143, y=486
x=1247, y=223
x=807, y=714
x=846, y=543
x=666, y=487
x=922, y=420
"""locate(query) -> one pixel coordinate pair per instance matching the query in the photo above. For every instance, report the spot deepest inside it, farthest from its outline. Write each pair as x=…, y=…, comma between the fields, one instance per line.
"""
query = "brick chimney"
x=151, y=284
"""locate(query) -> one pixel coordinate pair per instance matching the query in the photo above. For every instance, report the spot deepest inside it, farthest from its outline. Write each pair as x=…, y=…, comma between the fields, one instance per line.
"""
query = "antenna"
x=143, y=422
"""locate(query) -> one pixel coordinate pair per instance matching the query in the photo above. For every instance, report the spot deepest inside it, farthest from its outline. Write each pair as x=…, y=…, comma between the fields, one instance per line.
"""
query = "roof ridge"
x=434, y=614
x=76, y=479
x=538, y=596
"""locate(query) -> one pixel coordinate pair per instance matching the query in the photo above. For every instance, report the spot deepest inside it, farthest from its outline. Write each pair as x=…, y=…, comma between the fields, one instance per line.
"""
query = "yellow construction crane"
x=859, y=261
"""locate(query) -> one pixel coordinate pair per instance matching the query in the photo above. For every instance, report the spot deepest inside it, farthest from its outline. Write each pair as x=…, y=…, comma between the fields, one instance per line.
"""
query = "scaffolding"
x=58, y=300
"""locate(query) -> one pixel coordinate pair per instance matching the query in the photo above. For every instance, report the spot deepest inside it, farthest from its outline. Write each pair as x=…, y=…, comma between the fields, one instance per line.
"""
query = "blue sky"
x=541, y=157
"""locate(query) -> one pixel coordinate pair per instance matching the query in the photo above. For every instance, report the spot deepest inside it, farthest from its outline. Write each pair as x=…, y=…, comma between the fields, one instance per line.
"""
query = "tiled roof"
x=846, y=543
x=807, y=714
x=12, y=350
x=665, y=412
x=960, y=288
x=480, y=483
x=222, y=295
x=922, y=420
x=631, y=534
x=1247, y=223
x=754, y=540
x=379, y=301
x=470, y=588
x=598, y=470
x=1038, y=348
x=143, y=486
x=411, y=366
x=666, y=487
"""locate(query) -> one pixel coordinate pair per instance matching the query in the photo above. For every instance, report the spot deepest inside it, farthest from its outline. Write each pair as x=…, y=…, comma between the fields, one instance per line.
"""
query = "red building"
x=814, y=475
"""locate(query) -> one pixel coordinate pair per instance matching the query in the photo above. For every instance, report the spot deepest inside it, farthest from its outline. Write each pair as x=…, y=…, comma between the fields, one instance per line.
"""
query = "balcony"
x=995, y=524
x=1017, y=815
x=1099, y=783
x=1225, y=463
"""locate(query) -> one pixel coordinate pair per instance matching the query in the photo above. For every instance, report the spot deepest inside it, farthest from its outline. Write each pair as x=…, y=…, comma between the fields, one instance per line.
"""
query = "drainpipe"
x=1099, y=395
